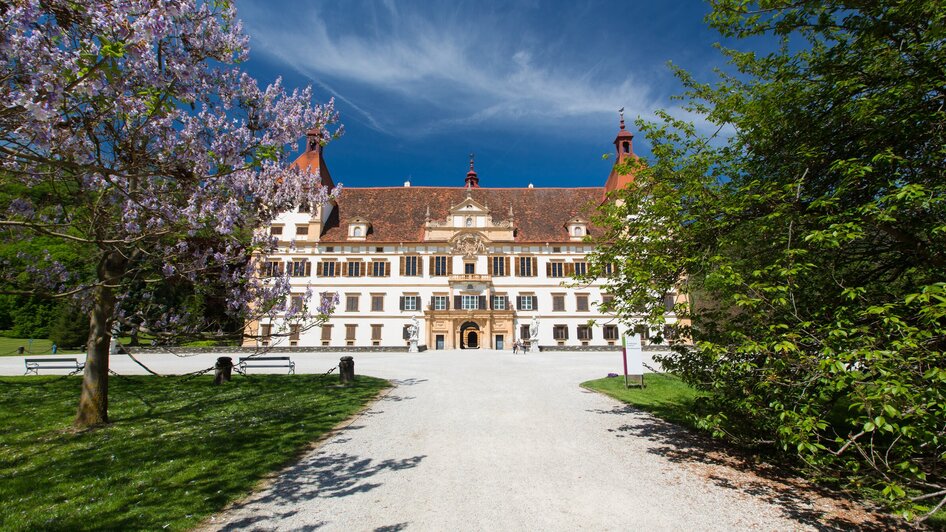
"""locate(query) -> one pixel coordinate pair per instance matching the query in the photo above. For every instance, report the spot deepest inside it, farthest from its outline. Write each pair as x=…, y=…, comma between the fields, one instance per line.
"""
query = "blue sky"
x=532, y=88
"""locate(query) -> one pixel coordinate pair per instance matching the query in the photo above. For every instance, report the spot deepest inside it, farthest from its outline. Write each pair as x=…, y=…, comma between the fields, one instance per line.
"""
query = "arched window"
x=469, y=222
x=356, y=232
x=578, y=231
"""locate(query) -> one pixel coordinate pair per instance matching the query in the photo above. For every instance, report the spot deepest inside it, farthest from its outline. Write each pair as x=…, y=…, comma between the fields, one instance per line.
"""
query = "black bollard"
x=346, y=369
x=19, y=350
x=223, y=370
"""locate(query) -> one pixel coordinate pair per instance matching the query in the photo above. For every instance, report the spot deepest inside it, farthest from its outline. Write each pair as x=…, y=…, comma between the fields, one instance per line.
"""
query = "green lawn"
x=8, y=346
x=175, y=452
x=665, y=396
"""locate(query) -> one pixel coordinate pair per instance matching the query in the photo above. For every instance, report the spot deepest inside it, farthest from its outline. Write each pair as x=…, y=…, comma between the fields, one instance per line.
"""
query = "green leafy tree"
x=810, y=240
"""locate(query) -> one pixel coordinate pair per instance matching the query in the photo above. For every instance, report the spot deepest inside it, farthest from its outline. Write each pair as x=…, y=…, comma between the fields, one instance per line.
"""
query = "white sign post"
x=634, y=362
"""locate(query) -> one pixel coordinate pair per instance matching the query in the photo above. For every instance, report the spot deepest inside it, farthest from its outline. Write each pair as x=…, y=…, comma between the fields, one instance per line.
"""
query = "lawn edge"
x=208, y=523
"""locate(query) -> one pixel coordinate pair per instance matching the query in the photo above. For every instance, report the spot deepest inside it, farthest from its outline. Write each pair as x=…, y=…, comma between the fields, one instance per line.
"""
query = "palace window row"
x=412, y=303
x=413, y=266
x=560, y=333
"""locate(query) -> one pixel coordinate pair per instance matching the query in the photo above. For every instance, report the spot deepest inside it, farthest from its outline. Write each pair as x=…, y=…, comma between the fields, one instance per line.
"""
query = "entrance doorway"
x=499, y=342
x=469, y=335
x=439, y=342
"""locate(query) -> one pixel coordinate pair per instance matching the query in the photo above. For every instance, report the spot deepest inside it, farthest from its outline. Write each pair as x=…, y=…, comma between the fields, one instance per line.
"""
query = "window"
x=607, y=300
x=584, y=332
x=556, y=249
x=469, y=222
x=469, y=268
x=272, y=268
x=275, y=231
x=578, y=231
x=527, y=266
x=296, y=303
x=354, y=269
x=376, y=334
x=350, y=333
x=555, y=269
x=524, y=332
x=409, y=303
x=377, y=303
x=330, y=249
x=526, y=303
x=499, y=266
x=294, y=331
x=351, y=303
x=440, y=303
x=499, y=302
x=356, y=231
x=470, y=303
x=669, y=301
x=265, y=332
x=301, y=268
x=302, y=230
x=558, y=302
x=610, y=332
x=440, y=265
x=304, y=207
x=328, y=268
x=608, y=269
x=326, y=334
x=380, y=269
x=581, y=268
x=560, y=333
x=409, y=266
x=581, y=302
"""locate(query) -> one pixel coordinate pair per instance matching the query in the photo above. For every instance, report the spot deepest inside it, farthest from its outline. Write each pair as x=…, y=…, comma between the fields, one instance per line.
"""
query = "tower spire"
x=472, y=181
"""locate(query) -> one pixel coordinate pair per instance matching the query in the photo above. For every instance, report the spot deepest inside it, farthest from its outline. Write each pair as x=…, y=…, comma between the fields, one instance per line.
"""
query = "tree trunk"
x=93, y=403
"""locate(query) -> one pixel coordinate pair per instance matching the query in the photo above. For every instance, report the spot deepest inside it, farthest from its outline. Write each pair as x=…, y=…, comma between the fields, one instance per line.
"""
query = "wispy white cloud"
x=440, y=71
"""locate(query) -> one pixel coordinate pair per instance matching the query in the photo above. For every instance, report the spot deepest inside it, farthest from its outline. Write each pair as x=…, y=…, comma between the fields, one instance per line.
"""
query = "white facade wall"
x=393, y=320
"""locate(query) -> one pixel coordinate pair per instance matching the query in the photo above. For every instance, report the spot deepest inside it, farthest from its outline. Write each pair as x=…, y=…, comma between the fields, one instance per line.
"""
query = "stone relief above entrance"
x=469, y=246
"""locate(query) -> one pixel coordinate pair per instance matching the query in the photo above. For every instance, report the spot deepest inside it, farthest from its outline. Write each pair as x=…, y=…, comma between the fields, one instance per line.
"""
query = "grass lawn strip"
x=665, y=396
x=177, y=450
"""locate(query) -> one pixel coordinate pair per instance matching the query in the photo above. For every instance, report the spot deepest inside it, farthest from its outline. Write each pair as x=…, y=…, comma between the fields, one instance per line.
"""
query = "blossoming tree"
x=128, y=130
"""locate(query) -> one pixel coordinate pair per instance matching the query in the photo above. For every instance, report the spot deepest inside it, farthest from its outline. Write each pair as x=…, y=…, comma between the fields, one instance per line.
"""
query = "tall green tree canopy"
x=810, y=239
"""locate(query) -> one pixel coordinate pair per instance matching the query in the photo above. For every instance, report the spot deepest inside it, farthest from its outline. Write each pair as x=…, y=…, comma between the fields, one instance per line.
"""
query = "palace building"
x=472, y=266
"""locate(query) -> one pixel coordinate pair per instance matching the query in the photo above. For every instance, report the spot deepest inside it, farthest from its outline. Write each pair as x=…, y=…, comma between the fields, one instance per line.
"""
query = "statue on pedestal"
x=413, y=332
x=534, y=335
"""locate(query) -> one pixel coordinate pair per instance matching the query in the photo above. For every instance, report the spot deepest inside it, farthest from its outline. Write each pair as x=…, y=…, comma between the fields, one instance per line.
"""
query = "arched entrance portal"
x=470, y=335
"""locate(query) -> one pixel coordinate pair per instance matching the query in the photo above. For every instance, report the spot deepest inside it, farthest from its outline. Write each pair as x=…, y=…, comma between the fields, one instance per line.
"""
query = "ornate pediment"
x=469, y=216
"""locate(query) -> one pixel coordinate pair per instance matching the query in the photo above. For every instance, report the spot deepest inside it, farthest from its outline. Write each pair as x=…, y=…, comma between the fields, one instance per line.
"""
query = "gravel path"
x=491, y=441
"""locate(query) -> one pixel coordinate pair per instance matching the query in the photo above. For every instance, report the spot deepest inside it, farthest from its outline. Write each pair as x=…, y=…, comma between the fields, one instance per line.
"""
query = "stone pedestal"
x=534, y=346
x=346, y=369
x=223, y=370
x=412, y=347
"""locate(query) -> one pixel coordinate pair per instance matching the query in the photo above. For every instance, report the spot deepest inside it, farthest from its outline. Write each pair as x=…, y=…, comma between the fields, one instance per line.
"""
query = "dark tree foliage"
x=811, y=242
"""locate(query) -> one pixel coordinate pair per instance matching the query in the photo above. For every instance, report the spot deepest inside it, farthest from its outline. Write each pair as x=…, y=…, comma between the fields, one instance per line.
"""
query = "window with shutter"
x=555, y=269
x=610, y=332
x=560, y=333
x=376, y=333
x=584, y=332
x=326, y=333
x=294, y=332
x=558, y=302
x=581, y=302
x=377, y=303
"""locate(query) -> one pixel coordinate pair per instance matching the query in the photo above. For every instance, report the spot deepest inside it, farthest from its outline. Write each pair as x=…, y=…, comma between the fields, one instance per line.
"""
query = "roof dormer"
x=358, y=228
x=577, y=228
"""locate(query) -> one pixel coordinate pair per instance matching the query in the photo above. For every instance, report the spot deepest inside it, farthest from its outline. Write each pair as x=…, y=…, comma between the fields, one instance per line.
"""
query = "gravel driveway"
x=481, y=440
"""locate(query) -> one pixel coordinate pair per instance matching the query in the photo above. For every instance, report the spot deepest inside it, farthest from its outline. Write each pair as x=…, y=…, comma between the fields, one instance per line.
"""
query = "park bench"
x=265, y=362
x=36, y=364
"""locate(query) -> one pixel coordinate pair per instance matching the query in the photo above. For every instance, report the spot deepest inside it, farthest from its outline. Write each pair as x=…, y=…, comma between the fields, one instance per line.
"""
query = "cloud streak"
x=408, y=75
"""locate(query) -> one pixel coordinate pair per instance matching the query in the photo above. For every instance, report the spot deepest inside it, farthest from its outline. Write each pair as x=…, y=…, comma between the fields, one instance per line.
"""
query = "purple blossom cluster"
x=166, y=154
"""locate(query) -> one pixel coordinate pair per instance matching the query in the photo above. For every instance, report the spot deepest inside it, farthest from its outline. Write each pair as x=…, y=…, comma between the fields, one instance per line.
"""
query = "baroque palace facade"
x=471, y=266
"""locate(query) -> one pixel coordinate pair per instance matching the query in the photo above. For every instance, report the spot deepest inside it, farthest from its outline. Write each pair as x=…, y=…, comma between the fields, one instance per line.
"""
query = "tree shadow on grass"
x=739, y=470
x=317, y=476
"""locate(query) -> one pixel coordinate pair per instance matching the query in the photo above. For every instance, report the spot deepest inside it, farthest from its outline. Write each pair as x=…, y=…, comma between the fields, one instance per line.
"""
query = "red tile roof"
x=398, y=214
